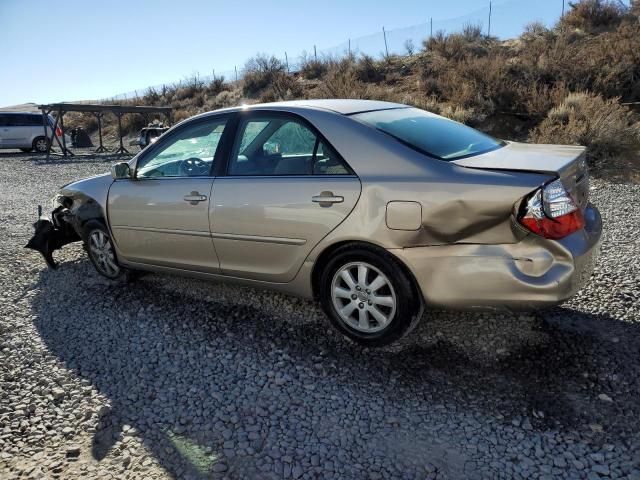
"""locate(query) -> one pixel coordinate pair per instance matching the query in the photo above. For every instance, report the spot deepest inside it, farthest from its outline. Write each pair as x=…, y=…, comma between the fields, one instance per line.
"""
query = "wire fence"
x=500, y=19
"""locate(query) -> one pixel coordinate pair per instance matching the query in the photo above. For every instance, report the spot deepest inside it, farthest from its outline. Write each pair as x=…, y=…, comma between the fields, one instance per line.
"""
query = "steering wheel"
x=194, y=167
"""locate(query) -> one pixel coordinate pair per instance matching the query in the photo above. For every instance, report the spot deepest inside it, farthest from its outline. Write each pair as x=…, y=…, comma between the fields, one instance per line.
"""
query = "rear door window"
x=35, y=120
x=280, y=146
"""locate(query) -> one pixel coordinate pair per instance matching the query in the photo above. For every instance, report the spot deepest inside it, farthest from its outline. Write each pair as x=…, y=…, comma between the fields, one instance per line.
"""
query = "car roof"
x=341, y=106
x=2, y=112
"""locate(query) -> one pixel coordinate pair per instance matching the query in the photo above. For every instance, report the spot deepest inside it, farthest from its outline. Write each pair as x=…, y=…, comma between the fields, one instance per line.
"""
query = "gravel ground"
x=168, y=377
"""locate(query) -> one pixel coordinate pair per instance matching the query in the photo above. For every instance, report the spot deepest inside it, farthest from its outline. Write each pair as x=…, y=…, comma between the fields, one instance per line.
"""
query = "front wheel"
x=101, y=251
x=368, y=296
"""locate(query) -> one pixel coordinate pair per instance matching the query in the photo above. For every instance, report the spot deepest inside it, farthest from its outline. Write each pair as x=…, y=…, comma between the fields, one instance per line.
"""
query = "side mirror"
x=120, y=170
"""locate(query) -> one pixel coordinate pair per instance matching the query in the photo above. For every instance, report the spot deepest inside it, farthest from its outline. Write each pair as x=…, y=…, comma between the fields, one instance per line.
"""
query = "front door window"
x=189, y=153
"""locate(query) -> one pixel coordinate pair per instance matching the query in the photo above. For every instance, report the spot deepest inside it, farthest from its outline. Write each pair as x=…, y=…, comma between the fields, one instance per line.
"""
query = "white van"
x=26, y=131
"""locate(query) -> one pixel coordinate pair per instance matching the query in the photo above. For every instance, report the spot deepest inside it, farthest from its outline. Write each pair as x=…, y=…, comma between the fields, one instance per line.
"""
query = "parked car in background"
x=26, y=131
x=375, y=209
x=148, y=136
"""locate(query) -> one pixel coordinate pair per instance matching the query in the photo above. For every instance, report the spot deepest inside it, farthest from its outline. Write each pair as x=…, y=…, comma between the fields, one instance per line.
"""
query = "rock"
x=57, y=393
x=600, y=469
x=220, y=467
x=73, y=451
x=605, y=398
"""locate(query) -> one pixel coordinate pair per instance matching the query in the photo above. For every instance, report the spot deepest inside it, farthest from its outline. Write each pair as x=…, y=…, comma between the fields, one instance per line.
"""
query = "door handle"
x=194, y=197
x=326, y=199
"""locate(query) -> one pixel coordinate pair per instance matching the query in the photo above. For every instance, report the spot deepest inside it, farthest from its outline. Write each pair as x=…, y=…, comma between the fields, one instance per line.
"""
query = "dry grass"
x=604, y=126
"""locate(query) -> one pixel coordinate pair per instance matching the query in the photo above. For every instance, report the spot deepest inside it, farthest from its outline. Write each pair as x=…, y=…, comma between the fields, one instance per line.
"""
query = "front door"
x=161, y=217
x=286, y=188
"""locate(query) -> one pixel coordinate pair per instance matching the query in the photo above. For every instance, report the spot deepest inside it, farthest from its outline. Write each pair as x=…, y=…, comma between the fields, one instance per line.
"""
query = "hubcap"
x=102, y=253
x=363, y=297
x=41, y=145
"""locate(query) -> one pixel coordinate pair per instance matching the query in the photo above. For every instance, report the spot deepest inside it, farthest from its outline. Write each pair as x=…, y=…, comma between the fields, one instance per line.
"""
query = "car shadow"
x=168, y=359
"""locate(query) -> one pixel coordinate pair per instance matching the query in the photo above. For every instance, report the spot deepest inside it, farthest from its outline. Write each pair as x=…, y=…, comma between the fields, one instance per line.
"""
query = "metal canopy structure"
x=98, y=110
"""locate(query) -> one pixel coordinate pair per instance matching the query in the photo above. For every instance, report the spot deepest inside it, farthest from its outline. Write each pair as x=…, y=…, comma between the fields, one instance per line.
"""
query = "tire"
x=26, y=150
x=379, y=315
x=101, y=251
x=40, y=144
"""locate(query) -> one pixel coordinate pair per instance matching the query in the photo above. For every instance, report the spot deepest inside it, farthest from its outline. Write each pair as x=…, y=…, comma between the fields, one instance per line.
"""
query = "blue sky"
x=67, y=50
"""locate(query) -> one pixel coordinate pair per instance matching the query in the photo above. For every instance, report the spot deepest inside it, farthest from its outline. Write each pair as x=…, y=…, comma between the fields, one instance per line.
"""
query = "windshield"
x=431, y=134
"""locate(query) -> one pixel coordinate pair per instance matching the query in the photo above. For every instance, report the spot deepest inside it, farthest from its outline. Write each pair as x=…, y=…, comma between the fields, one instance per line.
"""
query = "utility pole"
x=489, y=29
x=349, y=48
x=236, y=69
x=431, y=27
x=386, y=49
x=286, y=59
x=562, y=15
x=315, y=54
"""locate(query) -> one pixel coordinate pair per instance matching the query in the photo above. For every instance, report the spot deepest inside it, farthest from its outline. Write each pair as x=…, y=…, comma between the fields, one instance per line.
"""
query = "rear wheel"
x=101, y=251
x=368, y=296
x=40, y=144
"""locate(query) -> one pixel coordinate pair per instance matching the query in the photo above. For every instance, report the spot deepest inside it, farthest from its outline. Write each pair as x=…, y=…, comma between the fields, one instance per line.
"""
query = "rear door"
x=21, y=129
x=162, y=216
x=284, y=190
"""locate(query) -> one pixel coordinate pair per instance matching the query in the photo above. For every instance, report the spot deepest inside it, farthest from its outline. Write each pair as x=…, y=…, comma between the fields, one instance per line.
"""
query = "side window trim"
x=253, y=115
x=218, y=158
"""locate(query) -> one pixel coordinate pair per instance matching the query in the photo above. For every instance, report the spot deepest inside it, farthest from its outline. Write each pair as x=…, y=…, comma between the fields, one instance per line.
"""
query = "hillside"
x=573, y=83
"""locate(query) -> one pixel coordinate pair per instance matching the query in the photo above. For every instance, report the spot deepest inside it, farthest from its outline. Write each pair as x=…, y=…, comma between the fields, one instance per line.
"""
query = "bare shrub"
x=604, y=126
x=216, y=86
x=594, y=16
x=226, y=98
x=409, y=47
x=368, y=70
x=312, y=68
x=132, y=123
x=458, y=114
x=259, y=72
x=151, y=96
x=472, y=32
x=341, y=81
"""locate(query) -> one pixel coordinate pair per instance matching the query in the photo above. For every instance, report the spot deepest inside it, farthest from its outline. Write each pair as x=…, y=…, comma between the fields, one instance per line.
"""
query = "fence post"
x=386, y=49
x=489, y=29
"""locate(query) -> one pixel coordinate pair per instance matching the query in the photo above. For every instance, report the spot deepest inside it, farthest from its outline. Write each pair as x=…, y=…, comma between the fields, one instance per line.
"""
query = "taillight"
x=551, y=212
x=58, y=132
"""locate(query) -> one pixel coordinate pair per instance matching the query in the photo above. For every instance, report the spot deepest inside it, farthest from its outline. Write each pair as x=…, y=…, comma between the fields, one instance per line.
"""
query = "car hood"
x=527, y=157
x=95, y=188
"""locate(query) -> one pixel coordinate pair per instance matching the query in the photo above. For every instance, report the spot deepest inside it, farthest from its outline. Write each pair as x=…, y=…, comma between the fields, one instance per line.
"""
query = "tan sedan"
x=373, y=208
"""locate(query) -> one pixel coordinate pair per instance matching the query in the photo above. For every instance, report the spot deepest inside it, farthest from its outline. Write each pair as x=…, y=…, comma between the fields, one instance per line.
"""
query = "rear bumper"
x=531, y=274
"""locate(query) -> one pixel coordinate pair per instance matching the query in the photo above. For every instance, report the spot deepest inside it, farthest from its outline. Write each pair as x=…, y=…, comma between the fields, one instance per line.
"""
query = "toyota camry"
x=376, y=210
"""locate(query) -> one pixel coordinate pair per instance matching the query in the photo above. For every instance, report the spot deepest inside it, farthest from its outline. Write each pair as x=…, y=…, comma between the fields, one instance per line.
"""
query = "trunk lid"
x=566, y=162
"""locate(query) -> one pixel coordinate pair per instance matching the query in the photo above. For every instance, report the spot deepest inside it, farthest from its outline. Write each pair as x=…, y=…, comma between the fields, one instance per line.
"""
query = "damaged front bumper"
x=52, y=233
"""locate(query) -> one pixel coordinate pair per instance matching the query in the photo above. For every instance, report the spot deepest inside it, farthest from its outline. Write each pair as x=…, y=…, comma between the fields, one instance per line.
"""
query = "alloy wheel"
x=363, y=297
x=103, y=254
x=41, y=145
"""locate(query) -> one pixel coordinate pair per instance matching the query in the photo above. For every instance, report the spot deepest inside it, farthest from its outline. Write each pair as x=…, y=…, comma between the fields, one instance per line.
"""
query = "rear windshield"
x=430, y=134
